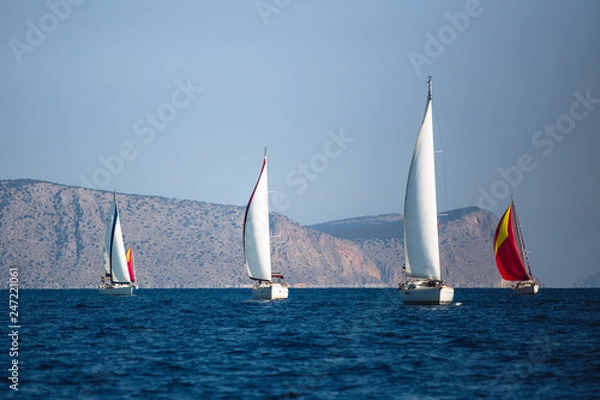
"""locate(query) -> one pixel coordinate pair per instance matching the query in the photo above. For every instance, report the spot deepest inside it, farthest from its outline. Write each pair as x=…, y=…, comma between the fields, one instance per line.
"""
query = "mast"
x=115, y=216
x=429, y=96
x=522, y=248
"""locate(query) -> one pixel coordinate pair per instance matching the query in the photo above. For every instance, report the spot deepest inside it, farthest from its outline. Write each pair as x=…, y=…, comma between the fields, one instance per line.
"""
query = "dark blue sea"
x=318, y=344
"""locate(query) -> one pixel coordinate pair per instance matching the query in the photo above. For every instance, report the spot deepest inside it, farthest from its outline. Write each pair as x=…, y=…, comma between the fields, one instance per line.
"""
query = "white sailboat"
x=117, y=280
x=421, y=247
x=257, y=247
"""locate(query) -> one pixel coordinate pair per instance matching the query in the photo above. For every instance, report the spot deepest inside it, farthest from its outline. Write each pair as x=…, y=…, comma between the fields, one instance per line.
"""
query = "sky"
x=179, y=99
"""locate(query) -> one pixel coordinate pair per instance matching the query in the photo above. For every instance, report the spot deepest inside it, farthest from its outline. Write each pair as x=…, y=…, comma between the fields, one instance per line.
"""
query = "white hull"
x=270, y=291
x=124, y=290
x=421, y=294
x=526, y=288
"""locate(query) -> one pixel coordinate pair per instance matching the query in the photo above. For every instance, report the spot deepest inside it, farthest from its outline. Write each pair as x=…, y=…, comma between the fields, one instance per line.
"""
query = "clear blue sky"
x=178, y=98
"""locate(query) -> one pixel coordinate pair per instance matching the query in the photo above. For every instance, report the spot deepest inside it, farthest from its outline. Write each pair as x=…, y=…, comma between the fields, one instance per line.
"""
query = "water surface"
x=318, y=344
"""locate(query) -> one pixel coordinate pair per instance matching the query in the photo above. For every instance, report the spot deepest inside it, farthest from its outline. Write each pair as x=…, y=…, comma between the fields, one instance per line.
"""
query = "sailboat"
x=117, y=279
x=511, y=254
x=421, y=247
x=257, y=247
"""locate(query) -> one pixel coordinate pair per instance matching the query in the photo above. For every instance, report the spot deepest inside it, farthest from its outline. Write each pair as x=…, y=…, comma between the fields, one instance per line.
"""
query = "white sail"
x=257, y=248
x=115, y=247
x=421, y=252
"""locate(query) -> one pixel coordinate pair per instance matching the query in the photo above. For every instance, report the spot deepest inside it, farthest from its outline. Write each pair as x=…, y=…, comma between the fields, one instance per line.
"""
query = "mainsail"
x=508, y=248
x=114, y=247
x=257, y=248
x=421, y=252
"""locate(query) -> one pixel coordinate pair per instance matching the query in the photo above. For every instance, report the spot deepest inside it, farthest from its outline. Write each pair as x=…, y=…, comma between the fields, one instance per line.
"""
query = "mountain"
x=54, y=234
x=465, y=235
x=592, y=281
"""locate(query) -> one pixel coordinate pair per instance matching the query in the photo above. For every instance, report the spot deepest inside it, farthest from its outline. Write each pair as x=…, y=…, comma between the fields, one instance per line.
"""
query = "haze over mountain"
x=592, y=281
x=54, y=234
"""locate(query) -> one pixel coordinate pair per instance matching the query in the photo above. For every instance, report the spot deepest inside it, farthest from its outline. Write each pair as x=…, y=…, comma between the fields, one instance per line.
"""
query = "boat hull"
x=423, y=295
x=526, y=288
x=124, y=290
x=270, y=291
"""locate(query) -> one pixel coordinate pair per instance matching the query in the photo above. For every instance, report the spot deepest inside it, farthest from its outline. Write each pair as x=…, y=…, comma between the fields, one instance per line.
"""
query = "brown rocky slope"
x=465, y=235
x=54, y=234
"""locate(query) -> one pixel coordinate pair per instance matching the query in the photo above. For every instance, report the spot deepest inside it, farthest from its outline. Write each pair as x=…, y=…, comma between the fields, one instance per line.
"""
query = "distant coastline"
x=54, y=233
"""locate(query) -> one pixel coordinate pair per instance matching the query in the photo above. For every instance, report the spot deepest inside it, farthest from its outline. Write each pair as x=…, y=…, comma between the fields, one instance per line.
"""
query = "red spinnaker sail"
x=506, y=248
x=129, y=258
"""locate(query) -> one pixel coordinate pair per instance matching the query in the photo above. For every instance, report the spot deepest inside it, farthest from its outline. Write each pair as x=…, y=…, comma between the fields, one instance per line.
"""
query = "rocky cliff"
x=54, y=234
x=466, y=249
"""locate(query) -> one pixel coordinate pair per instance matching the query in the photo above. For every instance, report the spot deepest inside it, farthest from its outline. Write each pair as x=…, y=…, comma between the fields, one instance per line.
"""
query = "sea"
x=318, y=344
